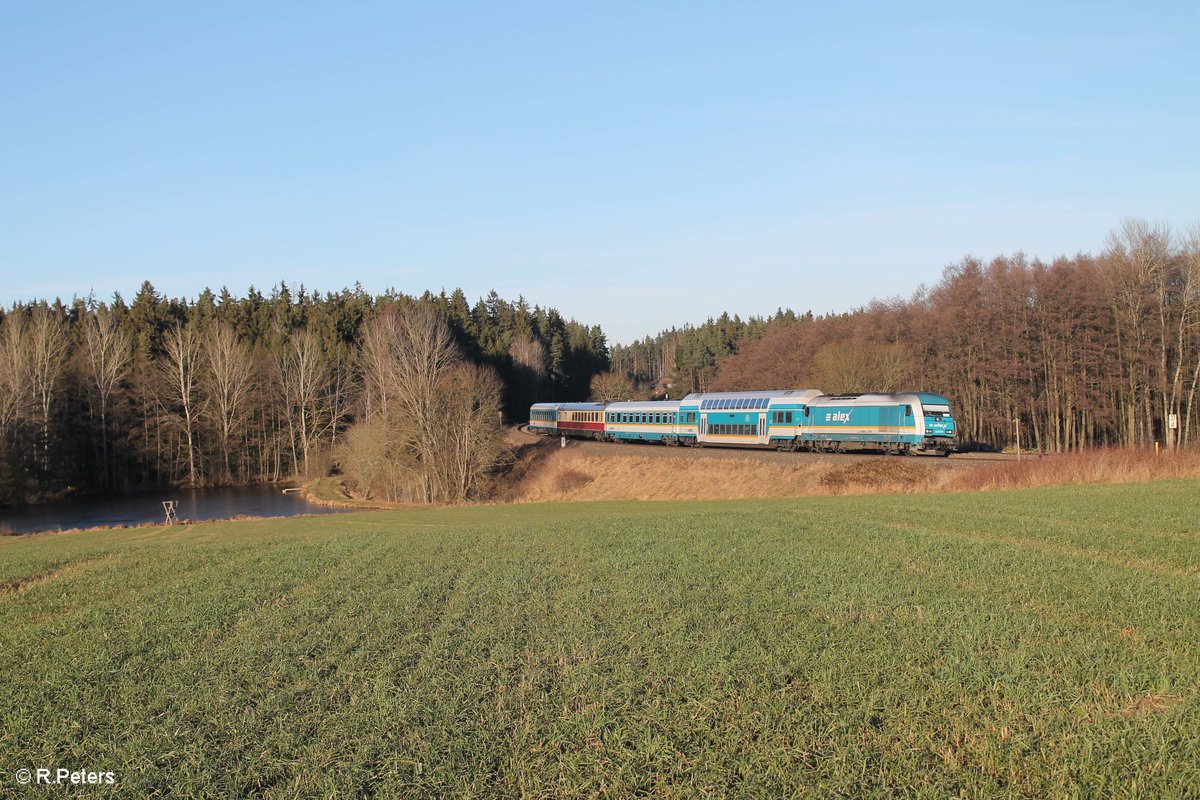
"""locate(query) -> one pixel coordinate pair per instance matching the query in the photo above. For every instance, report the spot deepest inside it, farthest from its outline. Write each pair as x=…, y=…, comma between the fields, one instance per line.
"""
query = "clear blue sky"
x=637, y=165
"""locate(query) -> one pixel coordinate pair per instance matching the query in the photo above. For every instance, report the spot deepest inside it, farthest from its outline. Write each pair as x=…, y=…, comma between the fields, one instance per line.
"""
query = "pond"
x=135, y=509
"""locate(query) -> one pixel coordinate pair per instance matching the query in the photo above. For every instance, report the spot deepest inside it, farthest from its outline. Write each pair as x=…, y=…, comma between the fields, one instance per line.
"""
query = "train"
x=783, y=419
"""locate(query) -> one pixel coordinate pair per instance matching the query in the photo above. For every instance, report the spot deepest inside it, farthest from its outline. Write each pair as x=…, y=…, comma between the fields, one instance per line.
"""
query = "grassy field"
x=1039, y=643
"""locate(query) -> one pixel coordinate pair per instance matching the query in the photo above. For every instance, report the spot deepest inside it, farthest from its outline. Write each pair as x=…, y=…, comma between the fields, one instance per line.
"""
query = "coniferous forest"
x=109, y=396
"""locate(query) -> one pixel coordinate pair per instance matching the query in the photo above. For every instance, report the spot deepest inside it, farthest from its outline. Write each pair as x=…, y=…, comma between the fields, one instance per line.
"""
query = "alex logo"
x=838, y=416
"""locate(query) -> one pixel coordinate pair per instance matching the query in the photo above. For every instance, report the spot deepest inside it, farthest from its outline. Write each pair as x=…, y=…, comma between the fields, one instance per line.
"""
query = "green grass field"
x=1041, y=643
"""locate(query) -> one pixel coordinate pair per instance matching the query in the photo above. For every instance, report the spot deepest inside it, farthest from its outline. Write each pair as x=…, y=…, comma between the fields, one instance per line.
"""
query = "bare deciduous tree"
x=468, y=444
x=48, y=345
x=1189, y=322
x=303, y=371
x=109, y=355
x=610, y=387
x=440, y=417
x=856, y=367
x=180, y=367
x=228, y=382
x=16, y=392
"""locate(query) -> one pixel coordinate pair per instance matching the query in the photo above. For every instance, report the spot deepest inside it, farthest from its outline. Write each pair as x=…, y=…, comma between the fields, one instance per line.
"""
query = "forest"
x=108, y=396
x=222, y=390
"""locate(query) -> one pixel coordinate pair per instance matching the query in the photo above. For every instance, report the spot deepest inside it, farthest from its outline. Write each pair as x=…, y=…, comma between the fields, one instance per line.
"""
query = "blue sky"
x=638, y=165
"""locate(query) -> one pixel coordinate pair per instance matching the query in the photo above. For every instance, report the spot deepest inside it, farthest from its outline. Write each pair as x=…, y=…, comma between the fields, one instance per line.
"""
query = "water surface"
x=135, y=509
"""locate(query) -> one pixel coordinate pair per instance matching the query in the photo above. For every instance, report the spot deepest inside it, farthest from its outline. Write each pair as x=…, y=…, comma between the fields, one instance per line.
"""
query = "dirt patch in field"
x=1150, y=704
x=65, y=571
x=883, y=473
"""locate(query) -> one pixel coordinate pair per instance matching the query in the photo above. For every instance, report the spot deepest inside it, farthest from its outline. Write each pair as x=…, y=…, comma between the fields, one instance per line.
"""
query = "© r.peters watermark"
x=61, y=776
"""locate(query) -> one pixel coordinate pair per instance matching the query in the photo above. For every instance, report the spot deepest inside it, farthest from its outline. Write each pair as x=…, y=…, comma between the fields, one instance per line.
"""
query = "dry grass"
x=573, y=475
x=558, y=475
x=1092, y=466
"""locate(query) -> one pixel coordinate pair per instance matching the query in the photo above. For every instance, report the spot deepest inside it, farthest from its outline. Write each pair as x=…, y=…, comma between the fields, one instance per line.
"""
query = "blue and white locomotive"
x=918, y=422
x=785, y=419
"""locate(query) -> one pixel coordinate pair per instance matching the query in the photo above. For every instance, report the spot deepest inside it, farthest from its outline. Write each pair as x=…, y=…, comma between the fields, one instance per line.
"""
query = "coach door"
x=703, y=426
x=762, y=428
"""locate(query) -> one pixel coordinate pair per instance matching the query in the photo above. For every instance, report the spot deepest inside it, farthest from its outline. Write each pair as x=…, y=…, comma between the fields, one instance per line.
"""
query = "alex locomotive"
x=790, y=419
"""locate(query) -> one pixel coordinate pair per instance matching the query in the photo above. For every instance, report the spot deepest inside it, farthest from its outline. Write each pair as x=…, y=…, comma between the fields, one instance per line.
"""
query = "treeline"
x=116, y=396
x=689, y=357
x=1084, y=351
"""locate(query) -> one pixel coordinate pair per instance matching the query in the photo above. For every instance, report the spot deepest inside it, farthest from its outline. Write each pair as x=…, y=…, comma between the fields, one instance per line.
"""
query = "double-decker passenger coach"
x=744, y=419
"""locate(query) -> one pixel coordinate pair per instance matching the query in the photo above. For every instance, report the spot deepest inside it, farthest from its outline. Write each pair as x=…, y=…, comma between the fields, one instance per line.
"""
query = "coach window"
x=908, y=411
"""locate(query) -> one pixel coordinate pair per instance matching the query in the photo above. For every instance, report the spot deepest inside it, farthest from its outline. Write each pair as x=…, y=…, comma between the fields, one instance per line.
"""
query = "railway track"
x=521, y=436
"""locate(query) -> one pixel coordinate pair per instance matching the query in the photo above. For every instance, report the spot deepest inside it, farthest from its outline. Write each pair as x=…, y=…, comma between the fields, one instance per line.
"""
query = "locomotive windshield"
x=937, y=411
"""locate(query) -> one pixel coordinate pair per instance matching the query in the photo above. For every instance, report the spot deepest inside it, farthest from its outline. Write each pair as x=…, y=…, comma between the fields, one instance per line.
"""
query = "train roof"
x=797, y=395
x=872, y=398
x=645, y=405
x=581, y=406
x=930, y=397
x=553, y=406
